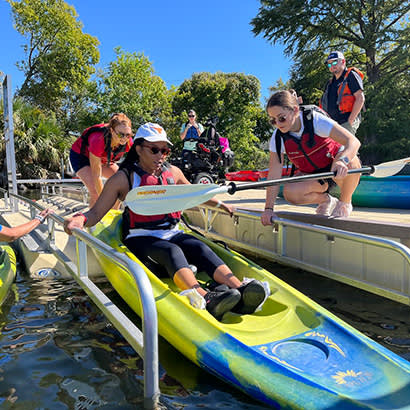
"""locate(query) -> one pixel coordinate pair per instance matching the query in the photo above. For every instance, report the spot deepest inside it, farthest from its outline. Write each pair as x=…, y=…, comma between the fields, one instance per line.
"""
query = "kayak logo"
x=152, y=192
x=351, y=378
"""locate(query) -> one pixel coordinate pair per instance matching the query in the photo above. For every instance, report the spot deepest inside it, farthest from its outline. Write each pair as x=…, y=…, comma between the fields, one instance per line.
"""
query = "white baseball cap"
x=335, y=55
x=152, y=132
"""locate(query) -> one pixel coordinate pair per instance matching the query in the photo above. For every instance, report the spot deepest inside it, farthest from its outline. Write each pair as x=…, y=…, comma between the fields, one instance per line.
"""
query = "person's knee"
x=293, y=196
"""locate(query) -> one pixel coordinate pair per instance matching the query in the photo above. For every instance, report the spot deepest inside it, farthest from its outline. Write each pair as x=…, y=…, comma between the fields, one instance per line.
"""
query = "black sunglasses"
x=281, y=119
x=155, y=150
x=191, y=116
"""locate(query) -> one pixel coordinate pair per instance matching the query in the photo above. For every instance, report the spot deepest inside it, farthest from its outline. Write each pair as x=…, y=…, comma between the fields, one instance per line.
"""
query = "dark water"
x=58, y=352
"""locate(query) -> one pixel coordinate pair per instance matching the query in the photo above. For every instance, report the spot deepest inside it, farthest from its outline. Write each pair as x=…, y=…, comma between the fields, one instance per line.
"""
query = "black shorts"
x=78, y=161
x=178, y=252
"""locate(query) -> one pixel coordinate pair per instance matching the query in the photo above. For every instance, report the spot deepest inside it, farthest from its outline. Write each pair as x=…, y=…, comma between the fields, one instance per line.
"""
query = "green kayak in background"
x=7, y=270
x=389, y=192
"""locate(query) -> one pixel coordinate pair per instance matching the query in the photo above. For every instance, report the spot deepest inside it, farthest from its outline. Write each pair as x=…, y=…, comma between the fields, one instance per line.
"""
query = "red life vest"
x=112, y=155
x=310, y=153
x=132, y=220
x=345, y=98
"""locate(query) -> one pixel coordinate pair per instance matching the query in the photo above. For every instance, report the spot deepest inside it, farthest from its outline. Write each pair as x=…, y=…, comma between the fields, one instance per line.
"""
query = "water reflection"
x=58, y=351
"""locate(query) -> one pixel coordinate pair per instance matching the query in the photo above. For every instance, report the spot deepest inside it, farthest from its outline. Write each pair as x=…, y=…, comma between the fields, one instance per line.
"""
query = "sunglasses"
x=121, y=135
x=280, y=120
x=191, y=116
x=155, y=150
x=333, y=63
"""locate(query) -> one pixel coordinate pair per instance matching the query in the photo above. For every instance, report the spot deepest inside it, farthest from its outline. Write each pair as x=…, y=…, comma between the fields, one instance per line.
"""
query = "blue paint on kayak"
x=389, y=192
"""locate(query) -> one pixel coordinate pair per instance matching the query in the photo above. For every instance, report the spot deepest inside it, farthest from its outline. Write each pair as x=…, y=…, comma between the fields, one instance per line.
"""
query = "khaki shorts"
x=352, y=128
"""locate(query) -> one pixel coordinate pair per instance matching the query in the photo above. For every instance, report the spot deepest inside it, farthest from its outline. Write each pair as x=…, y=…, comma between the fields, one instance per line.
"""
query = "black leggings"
x=175, y=253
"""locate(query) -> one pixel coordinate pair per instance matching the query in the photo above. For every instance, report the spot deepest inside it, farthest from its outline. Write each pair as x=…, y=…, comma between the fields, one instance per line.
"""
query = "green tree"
x=375, y=37
x=129, y=85
x=60, y=58
x=40, y=143
x=376, y=32
x=234, y=99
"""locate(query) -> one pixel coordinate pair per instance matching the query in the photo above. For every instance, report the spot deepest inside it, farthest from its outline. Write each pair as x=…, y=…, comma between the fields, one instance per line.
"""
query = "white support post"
x=9, y=140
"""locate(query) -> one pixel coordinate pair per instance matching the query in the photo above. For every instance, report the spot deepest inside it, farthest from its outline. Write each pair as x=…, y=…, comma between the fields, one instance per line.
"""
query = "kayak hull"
x=389, y=192
x=7, y=270
x=291, y=354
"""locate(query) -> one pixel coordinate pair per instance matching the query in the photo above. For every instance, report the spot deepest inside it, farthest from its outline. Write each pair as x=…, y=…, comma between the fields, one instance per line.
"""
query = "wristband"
x=81, y=214
x=40, y=218
x=218, y=205
x=269, y=208
x=344, y=159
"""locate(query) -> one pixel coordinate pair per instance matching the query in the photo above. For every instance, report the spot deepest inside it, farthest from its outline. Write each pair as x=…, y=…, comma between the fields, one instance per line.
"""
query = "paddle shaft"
x=232, y=187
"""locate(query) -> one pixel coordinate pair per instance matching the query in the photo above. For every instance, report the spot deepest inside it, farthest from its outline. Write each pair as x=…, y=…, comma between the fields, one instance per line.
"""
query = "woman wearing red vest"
x=314, y=143
x=158, y=238
x=95, y=153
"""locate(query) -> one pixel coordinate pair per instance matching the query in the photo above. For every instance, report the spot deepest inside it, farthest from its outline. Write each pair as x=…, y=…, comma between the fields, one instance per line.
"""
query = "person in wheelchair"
x=190, y=132
x=209, y=156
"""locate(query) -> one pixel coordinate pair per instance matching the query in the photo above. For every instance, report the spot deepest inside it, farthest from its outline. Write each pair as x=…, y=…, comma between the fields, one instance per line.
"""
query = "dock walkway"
x=387, y=223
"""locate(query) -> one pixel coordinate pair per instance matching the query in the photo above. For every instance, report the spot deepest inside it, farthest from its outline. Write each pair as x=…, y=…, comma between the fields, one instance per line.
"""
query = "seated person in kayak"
x=158, y=237
x=314, y=143
x=11, y=234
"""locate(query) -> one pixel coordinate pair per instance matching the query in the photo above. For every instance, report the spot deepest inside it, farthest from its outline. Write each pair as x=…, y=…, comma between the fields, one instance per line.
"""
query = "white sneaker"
x=342, y=210
x=326, y=208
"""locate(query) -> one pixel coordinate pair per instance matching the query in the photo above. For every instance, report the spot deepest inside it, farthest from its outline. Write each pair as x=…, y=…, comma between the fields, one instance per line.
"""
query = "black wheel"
x=203, y=178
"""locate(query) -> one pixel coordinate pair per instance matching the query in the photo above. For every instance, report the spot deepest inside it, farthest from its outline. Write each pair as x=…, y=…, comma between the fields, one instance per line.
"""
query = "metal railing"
x=375, y=264
x=145, y=343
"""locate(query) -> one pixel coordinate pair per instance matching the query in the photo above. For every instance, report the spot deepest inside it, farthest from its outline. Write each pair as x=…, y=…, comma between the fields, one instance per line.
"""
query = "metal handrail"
x=282, y=251
x=282, y=223
x=145, y=343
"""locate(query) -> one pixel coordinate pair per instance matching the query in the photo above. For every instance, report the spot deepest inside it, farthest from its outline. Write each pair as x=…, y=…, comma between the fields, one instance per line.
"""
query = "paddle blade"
x=163, y=199
x=387, y=169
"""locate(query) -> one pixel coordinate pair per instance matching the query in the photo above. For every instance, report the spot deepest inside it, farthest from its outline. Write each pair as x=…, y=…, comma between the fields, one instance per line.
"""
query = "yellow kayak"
x=291, y=354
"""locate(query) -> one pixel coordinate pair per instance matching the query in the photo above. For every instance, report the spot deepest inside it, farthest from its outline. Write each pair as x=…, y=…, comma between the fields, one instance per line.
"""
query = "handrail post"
x=9, y=139
x=82, y=262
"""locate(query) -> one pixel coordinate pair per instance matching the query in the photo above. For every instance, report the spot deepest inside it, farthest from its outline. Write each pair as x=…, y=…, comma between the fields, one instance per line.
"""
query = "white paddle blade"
x=163, y=199
x=387, y=169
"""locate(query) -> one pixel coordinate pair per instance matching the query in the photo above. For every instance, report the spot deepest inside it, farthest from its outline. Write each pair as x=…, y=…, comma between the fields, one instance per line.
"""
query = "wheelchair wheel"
x=203, y=178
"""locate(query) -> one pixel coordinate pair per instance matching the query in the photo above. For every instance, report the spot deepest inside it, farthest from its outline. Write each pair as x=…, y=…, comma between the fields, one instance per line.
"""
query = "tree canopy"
x=40, y=142
x=60, y=58
x=129, y=85
x=374, y=36
x=377, y=32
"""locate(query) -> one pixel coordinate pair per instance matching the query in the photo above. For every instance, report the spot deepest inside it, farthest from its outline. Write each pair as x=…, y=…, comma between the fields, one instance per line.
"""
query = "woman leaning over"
x=314, y=143
x=94, y=154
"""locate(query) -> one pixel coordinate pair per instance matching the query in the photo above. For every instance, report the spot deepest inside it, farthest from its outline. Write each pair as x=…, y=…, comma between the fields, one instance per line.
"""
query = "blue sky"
x=179, y=37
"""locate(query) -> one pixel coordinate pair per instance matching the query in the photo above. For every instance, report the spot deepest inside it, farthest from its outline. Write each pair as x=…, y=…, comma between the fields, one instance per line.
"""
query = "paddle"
x=163, y=199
